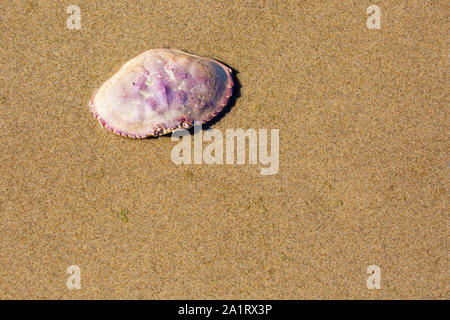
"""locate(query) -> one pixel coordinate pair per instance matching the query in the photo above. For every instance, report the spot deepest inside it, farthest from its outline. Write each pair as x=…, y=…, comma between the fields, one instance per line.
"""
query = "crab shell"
x=160, y=91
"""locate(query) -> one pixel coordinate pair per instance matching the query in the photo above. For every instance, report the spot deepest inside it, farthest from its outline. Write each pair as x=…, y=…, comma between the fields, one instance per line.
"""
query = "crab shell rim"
x=159, y=131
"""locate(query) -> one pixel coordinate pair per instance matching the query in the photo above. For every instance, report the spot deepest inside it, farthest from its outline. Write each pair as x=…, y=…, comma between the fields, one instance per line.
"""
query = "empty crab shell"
x=160, y=91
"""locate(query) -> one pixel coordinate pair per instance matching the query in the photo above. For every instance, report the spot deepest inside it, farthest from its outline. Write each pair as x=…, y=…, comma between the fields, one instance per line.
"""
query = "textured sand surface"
x=363, y=179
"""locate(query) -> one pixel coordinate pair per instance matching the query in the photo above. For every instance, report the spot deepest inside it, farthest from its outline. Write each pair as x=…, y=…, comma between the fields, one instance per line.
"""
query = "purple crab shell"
x=160, y=91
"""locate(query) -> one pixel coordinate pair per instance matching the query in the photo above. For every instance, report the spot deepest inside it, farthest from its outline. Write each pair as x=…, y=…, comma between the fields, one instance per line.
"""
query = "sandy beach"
x=362, y=178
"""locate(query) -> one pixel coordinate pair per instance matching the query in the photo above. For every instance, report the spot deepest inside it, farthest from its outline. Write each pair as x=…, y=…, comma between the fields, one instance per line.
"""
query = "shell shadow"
x=231, y=102
x=236, y=94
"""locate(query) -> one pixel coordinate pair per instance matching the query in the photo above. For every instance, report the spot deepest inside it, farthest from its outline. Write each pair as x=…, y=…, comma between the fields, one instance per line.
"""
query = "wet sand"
x=363, y=154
